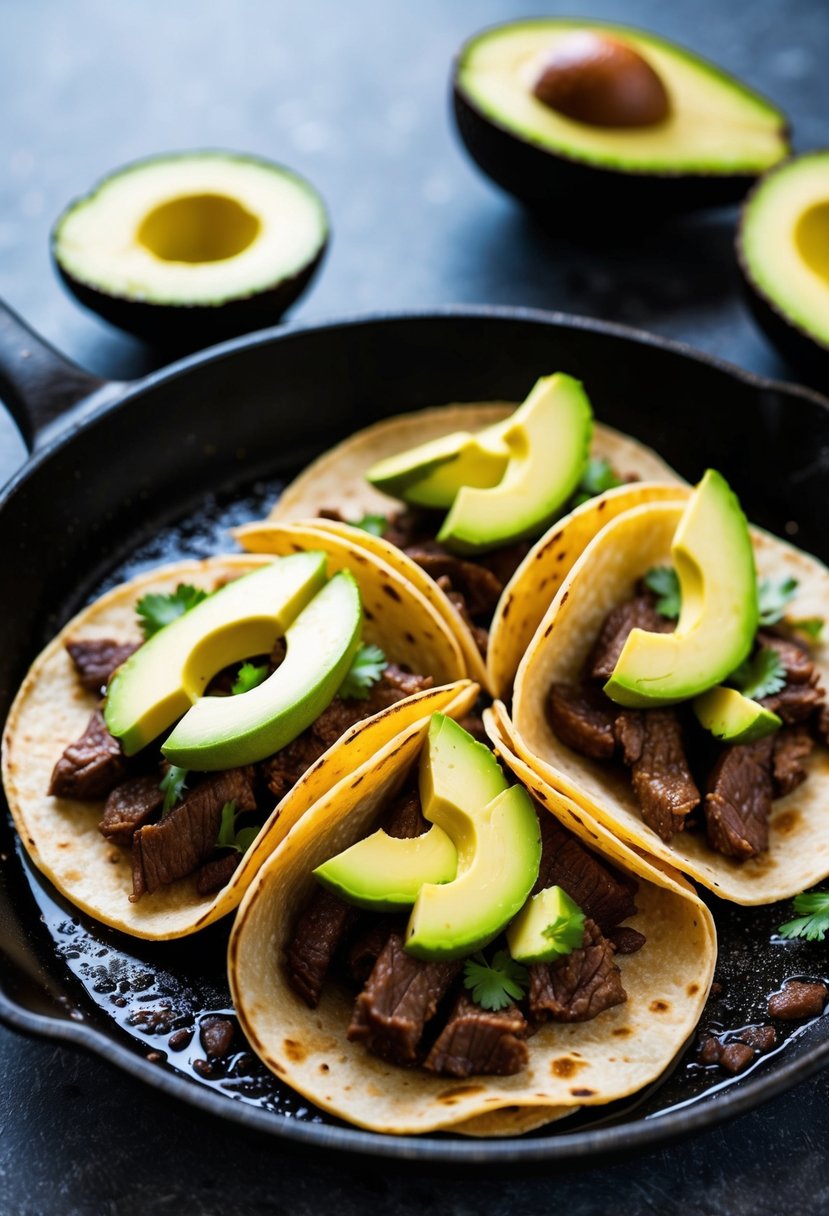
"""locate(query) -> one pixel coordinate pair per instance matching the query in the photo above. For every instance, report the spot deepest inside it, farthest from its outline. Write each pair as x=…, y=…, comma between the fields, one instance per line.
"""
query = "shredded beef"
x=798, y=999
x=566, y=863
x=638, y=613
x=478, y=1042
x=580, y=985
x=404, y=818
x=318, y=933
x=480, y=635
x=91, y=767
x=400, y=996
x=97, y=659
x=739, y=798
x=217, y=873
x=794, y=702
x=792, y=745
x=181, y=842
x=801, y=695
x=626, y=940
x=652, y=746
x=795, y=658
x=397, y=680
x=479, y=586
x=582, y=717
x=130, y=805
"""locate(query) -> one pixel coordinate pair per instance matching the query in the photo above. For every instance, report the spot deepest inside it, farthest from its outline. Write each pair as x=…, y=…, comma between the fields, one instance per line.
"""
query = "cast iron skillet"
x=158, y=467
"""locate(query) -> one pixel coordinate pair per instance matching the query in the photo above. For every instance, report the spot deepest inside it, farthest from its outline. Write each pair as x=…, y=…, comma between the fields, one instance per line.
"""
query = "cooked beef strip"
x=480, y=635
x=130, y=805
x=411, y=527
x=473, y=724
x=400, y=996
x=590, y=883
x=316, y=936
x=739, y=798
x=802, y=695
x=795, y=657
x=626, y=940
x=480, y=587
x=365, y=948
x=794, y=702
x=580, y=985
x=638, y=613
x=184, y=839
x=820, y=725
x=798, y=999
x=792, y=745
x=582, y=717
x=652, y=746
x=96, y=660
x=215, y=874
x=478, y=1042
x=91, y=767
x=404, y=819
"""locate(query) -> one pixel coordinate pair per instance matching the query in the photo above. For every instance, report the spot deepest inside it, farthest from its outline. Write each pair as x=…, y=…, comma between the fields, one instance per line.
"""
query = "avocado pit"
x=602, y=82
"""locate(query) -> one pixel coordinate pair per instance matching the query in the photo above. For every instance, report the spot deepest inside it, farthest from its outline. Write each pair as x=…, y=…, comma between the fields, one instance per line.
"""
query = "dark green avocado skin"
x=803, y=352
x=542, y=179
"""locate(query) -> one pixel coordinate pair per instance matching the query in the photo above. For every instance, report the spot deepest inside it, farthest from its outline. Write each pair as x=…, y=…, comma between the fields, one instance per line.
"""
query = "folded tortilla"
x=571, y=1065
x=52, y=710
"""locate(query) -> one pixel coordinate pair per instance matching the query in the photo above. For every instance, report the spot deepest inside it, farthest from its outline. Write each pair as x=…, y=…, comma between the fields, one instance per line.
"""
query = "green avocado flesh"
x=714, y=560
x=497, y=837
x=549, y=926
x=199, y=228
x=548, y=439
x=432, y=474
x=716, y=125
x=730, y=716
x=784, y=242
x=384, y=873
x=224, y=732
x=170, y=672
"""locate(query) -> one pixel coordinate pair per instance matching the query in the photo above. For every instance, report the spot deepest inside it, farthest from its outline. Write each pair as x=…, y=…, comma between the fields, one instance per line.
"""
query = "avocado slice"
x=549, y=926
x=730, y=716
x=160, y=682
x=431, y=475
x=384, y=873
x=704, y=148
x=496, y=833
x=714, y=560
x=548, y=438
x=225, y=732
x=783, y=251
x=191, y=247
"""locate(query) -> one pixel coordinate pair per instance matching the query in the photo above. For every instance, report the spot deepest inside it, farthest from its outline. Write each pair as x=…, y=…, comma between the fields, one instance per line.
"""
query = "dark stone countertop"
x=355, y=97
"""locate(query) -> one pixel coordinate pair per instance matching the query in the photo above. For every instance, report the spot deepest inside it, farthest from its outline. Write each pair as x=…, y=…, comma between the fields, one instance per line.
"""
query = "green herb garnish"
x=773, y=594
x=597, y=477
x=812, y=626
x=366, y=669
x=761, y=676
x=173, y=783
x=375, y=524
x=248, y=677
x=497, y=984
x=663, y=581
x=156, y=611
x=228, y=837
x=567, y=932
x=813, y=925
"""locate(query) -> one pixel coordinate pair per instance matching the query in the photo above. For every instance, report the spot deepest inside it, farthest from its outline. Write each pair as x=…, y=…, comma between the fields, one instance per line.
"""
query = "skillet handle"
x=37, y=384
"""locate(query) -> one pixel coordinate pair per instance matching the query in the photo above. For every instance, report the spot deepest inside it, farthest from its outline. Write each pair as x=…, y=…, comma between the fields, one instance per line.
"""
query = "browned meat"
x=130, y=805
x=215, y=1035
x=582, y=717
x=397, y=680
x=795, y=657
x=91, y=767
x=410, y=527
x=282, y=770
x=566, y=863
x=365, y=949
x=652, y=745
x=401, y=995
x=794, y=702
x=217, y=873
x=477, y=1042
x=739, y=798
x=798, y=999
x=820, y=725
x=579, y=986
x=318, y=933
x=734, y=1056
x=480, y=587
x=473, y=724
x=762, y=1038
x=404, y=818
x=505, y=561
x=181, y=842
x=638, y=613
x=792, y=745
x=626, y=940
x=802, y=695
x=96, y=659
x=480, y=635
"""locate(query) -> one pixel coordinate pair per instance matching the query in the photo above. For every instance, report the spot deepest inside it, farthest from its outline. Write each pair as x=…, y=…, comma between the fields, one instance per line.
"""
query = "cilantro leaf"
x=497, y=984
x=813, y=925
x=663, y=581
x=173, y=783
x=366, y=669
x=812, y=626
x=597, y=477
x=567, y=932
x=228, y=837
x=773, y=594
x=248, y=677
x=375, y=524
x=761, y=676
x=156, y=611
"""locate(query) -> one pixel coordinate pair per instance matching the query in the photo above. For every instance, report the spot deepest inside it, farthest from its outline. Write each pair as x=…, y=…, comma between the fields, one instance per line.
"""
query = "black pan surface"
x=164, y=467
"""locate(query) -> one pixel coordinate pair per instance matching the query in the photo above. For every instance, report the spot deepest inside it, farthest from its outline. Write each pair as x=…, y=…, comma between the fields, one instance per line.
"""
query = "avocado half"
x=715, y=139
x=188, y=248
x=783, y=251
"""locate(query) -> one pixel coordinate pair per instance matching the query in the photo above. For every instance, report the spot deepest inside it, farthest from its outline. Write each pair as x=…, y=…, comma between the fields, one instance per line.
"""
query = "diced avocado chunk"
x=549, y=926
x=714, y=561
x=548, y=438
x=730, y=716
x=431, y=475
x=224, y=732
x=384, y=873
x=160, y=682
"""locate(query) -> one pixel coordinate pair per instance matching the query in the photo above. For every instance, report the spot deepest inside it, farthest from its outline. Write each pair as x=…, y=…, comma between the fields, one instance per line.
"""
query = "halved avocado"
x=703, y=147
x=189, y=248
x=783, y=251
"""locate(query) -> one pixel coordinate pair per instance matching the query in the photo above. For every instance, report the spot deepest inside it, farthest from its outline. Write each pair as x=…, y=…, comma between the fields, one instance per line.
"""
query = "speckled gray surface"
x=355, y=97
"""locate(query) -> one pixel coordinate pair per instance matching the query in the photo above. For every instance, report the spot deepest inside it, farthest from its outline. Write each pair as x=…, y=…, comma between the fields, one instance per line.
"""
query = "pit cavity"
x=811, y=237
x=198, y=228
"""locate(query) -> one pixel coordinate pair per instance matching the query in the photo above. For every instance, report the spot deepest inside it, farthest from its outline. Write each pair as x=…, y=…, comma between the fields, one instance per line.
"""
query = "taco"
x=727, y=776
x=340, y=1000
x=471, y=591
x=159, y=847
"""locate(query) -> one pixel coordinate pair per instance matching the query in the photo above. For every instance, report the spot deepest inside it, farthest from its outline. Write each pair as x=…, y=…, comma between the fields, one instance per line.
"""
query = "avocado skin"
x=541, y=178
